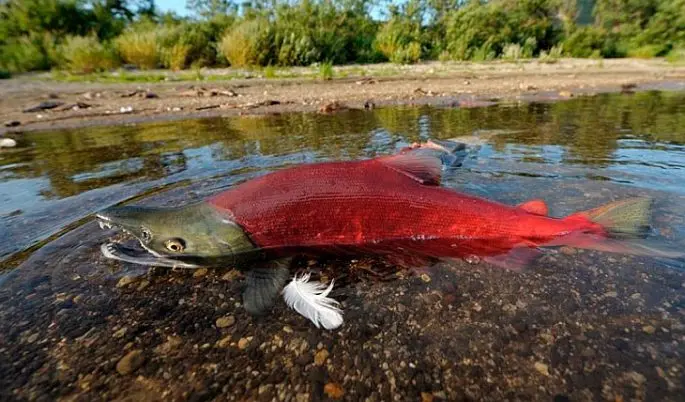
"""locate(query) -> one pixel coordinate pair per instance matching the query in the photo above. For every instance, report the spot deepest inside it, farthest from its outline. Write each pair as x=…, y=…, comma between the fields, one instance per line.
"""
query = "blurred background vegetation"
x=84, y=36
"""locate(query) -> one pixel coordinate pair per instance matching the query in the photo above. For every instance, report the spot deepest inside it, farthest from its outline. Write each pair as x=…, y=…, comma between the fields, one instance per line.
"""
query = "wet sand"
x=446, y=84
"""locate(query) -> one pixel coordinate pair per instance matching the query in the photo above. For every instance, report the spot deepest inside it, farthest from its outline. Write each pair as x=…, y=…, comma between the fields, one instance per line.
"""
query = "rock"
x=321, y=357
x=12, y=123
x=200, y=272
x=244, y=342
x=567, y=250
x=171, y=343
x=331, y=107
x=225, y=322
x=565, y=94
x=333, y=390
x=365, y=81
x=231, y=275
x=611, y=294
x=120, y=333
x=648, y=329
x=143, y=284
x=7, y=143
x=150, y=95
x=425, y=277
x=131, y=362
x=126, y=109
x=426, y=397
x=125, y=281
x=224, y=342
x=46, y=105
x=368, y=105
x=542, y=368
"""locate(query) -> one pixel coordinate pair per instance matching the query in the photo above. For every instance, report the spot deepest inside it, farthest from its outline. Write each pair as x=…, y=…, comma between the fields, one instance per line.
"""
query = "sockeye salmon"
x=389, y=206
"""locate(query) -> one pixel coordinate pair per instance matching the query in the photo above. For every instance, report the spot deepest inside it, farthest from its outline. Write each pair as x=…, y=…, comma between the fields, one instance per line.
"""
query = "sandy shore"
x=78, y=104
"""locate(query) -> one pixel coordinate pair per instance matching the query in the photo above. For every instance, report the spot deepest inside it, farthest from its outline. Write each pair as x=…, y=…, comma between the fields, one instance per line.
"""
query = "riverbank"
x=48, y=101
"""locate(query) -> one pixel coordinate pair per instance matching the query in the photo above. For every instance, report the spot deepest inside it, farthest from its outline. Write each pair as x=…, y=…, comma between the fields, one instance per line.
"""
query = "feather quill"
x=311, y=300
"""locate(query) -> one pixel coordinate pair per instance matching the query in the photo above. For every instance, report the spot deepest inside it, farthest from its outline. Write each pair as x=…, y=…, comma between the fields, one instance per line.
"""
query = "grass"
x=676, y=56
x=139, y=48
x=326, y=71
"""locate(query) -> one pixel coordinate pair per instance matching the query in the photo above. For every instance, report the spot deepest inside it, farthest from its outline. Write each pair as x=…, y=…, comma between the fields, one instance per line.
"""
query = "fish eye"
x=175, y=245
x=145, y=235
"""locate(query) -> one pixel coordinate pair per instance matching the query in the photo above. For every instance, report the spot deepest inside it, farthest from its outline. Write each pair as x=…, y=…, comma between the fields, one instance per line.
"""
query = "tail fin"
x=626, y=223
x=625, y=219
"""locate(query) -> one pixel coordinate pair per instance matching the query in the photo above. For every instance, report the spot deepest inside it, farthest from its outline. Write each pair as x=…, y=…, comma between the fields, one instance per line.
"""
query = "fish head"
x=195, y=232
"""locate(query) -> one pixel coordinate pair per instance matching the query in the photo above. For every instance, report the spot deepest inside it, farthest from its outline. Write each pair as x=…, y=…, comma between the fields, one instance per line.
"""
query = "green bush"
x=399, y=41
x=676, y=56
x=248, y=44
x=647, y=51
x=85, y=54
x=326, y=71
x=139, y=47
x=35, y=52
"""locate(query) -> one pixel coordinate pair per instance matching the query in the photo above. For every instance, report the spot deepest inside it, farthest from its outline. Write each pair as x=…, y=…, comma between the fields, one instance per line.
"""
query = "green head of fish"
x=196, y=232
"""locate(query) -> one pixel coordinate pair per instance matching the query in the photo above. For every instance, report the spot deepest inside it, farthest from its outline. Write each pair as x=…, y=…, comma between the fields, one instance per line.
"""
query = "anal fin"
x=264, y=284
x=517, y=259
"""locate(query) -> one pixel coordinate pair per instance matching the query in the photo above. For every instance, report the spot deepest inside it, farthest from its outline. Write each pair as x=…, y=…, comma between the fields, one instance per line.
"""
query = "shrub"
x=85, y=54
x=676, y=56
x=5, y=74
x=552, y=56
x=139, y=47
x=326, y=71
x=28, y=53
x=512, y=51
x=399, y=41
x=248, y=43
x=647, y=51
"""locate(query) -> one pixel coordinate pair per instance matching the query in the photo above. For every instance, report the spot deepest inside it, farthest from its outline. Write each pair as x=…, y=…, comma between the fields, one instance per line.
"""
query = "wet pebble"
x=243, y=343
x=321, y=357
x=125, y=281
x=12, y=123
x=131, y=362
x=225, y=322
x=542, y=368
x=200, y=272
x=224, y=342
x=333, y=390
x=7, y=143
x=648, y=329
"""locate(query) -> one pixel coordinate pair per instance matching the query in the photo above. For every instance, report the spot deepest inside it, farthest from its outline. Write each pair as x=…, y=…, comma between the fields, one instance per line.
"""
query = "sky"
x=177, y=6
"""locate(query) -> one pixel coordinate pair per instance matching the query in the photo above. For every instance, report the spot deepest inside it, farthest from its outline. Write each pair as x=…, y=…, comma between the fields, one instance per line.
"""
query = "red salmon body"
x=381, y=206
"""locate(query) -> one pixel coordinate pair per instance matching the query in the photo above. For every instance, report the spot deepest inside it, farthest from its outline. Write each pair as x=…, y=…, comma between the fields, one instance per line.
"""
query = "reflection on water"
x=56, y=178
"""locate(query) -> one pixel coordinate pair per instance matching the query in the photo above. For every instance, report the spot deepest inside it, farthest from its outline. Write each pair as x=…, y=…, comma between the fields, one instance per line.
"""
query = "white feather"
x=311, y=300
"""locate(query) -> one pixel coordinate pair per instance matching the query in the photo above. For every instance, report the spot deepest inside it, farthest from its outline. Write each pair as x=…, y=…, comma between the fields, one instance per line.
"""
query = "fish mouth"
x=145, y=256
x=120, y=252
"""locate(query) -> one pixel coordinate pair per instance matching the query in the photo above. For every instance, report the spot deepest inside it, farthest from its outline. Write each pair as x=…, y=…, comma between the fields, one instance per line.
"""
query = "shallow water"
x=576, y=155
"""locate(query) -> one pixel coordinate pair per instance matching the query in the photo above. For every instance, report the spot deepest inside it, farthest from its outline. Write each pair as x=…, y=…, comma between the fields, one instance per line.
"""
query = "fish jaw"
x=188, y=234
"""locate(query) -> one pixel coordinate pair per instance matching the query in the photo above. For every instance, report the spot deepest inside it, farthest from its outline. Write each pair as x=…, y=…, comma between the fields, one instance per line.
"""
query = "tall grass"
x=85, y=54
x=139, y=47
x=248, y=43
x=326, y=71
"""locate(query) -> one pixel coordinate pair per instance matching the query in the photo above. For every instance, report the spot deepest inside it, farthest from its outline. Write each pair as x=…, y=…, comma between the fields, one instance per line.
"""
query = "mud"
x=443, y=84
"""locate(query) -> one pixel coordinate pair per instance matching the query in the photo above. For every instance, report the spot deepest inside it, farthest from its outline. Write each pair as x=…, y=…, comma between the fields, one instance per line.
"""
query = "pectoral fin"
x=264, y=284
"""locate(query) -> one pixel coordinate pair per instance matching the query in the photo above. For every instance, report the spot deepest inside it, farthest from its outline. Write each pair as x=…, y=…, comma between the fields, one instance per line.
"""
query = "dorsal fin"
x=537, y=207
x=426, y=168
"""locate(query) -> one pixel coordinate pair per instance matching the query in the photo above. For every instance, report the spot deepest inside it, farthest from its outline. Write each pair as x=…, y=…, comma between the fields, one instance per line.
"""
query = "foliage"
x=326, y=71
x=86, y=54
x=304, y=32
x=139, y=47
x=249, y=43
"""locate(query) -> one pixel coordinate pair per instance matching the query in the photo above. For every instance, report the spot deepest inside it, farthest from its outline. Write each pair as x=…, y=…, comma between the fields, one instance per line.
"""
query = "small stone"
x=244, y=342
x=636, y=378
x=425, y=277
x=12, y=123
x=333, y=390
x=224, y=342
x=635, y=296
x=287, y=329
x=542, y=368
x=200, y=272
x=120, y=333
x=649, y=329
x=125, y=281
x=611, y=294
x=32, y=338
x=426, y=397
x=225, y=322
x=231, y=275
x=321, y=357
x=7, y=143
x=565, y=94
x=143, y=284
x=171, y=343
x=568, y=250
x=131, y=362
